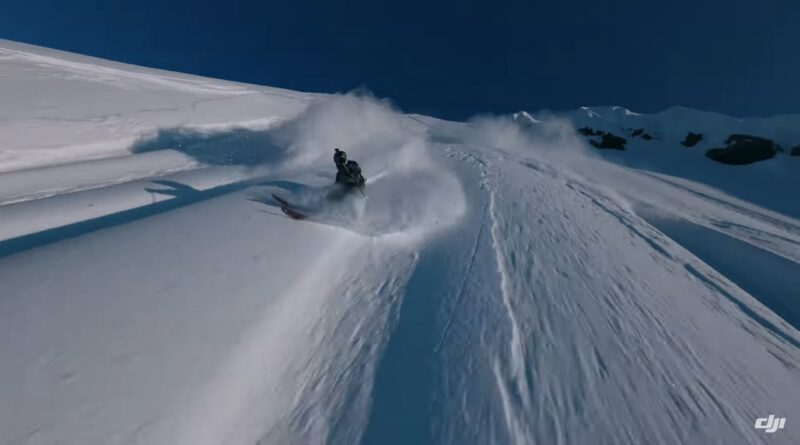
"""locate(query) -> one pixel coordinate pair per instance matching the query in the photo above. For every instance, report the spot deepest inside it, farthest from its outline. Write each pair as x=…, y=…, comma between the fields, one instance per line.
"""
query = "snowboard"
x=287, y=209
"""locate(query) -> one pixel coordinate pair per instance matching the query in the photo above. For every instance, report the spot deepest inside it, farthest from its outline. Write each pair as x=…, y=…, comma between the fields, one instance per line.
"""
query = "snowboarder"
x=348, y=173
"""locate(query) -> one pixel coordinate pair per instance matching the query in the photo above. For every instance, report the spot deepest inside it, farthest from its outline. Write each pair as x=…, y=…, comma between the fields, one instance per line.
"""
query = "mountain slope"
x=500, y=283
x=48, y=120
x=676, y=142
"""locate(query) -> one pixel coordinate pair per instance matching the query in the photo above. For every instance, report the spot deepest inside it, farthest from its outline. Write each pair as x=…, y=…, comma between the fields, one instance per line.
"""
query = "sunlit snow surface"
x=498, y=284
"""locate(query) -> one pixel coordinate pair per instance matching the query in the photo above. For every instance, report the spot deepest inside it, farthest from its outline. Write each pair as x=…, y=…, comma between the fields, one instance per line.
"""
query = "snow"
x=501, y=282
x=672, y=124
x=767, y=184
x=47, y=119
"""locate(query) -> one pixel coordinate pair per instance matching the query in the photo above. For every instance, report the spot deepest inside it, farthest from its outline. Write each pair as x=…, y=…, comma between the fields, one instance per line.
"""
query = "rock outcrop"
x=743, y=149
x=692, y=139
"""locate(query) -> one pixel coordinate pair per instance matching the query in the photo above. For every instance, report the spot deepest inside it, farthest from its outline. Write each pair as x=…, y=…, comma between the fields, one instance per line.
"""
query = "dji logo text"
x=771, y=423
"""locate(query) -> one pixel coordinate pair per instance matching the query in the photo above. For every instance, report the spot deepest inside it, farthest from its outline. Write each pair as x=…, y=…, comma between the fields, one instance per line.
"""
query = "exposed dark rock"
x=795, y=151
x=640, y=133
x=588, y=131
x=611, y=141
x=743, y=149
x=692, y=139
x=607, y=140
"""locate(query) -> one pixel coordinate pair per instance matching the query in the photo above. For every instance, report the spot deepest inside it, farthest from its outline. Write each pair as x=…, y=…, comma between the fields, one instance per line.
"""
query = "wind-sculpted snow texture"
x=499, y=284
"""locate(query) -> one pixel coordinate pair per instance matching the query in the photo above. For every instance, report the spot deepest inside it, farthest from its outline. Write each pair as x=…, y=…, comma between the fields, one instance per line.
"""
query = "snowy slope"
x=47, y=118
x=500, y=283
x=768, y=183
x=672, y=124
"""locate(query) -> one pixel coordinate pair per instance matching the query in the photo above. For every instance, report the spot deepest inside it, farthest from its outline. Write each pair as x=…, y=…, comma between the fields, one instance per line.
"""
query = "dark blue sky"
x=454, y=59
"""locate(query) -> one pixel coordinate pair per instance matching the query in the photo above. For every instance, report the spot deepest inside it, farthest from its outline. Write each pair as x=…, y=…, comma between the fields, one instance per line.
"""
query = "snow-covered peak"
x=605, y=111
x=626, y=111
x=523, y=117
x=673, y=124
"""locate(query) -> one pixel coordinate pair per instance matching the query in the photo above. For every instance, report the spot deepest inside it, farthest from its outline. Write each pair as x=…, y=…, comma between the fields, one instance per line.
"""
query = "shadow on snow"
x=183, y=195
x=230, y=147
x=235, y=146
